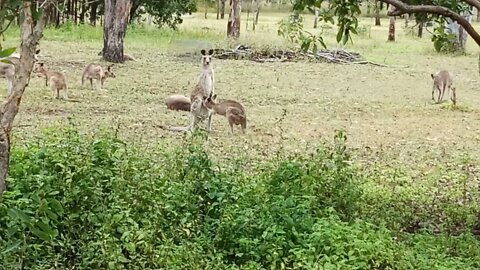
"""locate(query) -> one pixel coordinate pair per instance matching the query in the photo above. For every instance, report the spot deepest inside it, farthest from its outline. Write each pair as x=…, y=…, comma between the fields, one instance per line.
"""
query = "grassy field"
x=380, y=108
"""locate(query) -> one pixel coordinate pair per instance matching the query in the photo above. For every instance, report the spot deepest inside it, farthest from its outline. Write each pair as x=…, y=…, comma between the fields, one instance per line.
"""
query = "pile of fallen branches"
x=337, y=56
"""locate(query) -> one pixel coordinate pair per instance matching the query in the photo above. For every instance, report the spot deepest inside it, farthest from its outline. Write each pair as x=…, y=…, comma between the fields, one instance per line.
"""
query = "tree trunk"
x=206, y=8
x=407, y=17
x=93, y=13
x=391, y=27
x=133, y=10
x=257, y=12
x=478, y=15
x=233, y=27
x=317, y=14
x=218, y=9
x=82, y=14
x=222, y=9
x=115, y=26
x=377, y=14
x=31, y=33
x=420, y=29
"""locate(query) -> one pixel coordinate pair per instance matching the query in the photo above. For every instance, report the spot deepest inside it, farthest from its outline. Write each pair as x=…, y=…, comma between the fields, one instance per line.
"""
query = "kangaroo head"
x=39, y=69
x=211, y=101
x=206, y=57
x=109, y=72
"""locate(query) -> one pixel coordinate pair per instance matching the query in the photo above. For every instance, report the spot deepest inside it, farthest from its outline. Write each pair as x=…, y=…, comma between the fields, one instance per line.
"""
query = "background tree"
x=115, y=27
x=391, y=27
x=33, y=23
x=348, y=11
x=233, y=25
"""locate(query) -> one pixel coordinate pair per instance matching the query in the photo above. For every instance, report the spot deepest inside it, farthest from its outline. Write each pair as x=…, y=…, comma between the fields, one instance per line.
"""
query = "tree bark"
x=402, y=8
x=31, y=33
x=420, y=29
x=133, y=10
x=377, y=13
x=218, y=9
x=206, y=8
x=478, y=15
x=317, y=14
x=391, y=27
x=222, y=9
x=257, y=12
x=93, y=13
x=115, y=26
x=233, y=27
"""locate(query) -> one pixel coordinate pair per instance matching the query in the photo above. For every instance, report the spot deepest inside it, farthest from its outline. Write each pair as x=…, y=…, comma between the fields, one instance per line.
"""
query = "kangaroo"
x=203, y=89
x=57, y=80
x=232, y=110
x=97, y=72
x=178, y=103
x=442, y=81
x=7, y=70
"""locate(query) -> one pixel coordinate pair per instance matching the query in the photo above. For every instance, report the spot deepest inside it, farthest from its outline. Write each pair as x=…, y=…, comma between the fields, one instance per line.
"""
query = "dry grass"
x=388, y=110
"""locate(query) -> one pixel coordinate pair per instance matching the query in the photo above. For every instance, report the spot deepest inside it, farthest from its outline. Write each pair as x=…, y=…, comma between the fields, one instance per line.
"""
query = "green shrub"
x=80, y=202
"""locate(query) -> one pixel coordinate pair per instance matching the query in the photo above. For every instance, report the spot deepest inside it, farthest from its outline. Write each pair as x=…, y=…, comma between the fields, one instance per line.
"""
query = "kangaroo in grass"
x=57, y=80
x=7, y=70
x=204, y=89
x=97, y=72
x=442, y=81
x=232, y=110
x=178, y=103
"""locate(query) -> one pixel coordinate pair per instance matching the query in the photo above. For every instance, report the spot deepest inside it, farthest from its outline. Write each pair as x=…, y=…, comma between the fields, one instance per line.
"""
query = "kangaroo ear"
x=431, y=75
x=210, y=52
x=203, y=52
x=214, y=97
x=37, y=51
x=41, y=64
x=109, y=67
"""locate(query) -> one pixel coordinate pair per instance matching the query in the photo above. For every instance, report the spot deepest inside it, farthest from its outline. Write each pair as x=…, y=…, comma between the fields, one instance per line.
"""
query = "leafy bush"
x=82, y=202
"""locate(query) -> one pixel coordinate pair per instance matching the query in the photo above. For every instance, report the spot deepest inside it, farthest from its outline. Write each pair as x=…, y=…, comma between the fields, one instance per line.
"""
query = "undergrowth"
x=97, y=202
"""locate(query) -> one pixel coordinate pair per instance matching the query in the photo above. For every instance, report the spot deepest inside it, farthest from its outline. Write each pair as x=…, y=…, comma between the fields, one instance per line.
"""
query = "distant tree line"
x=163, y=12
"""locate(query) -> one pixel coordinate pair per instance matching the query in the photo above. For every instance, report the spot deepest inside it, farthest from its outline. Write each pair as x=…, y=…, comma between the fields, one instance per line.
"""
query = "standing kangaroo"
x=232, y=110
x=203, y=89
x=442, y=81
x=57, y=80
x=7, y=70
x=97, y=72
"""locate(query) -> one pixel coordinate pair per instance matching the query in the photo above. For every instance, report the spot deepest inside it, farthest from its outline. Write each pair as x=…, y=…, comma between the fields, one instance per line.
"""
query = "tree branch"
x=402, y=8
x=473, y=3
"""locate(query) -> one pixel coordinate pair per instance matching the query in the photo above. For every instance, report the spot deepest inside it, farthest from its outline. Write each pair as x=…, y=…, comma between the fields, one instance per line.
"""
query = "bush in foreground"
x=75, y=202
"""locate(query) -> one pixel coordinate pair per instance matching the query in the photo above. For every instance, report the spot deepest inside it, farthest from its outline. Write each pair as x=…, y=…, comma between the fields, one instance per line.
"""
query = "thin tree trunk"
x=206, y=8
x=317, y=14
x=420, y=29
x=233, y=28
x=115, y=26
x=222, y=9
x=133, y=10
x=377, y=14
x=478, y=15
x=93, y=13
x=406, y=19
x=257, y=12
x=84, y=11
x=31, y=33
x=391, y=28
x=218, y=9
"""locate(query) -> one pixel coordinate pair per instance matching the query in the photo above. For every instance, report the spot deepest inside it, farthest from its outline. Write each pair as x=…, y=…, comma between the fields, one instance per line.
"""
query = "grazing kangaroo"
x=7, y=70
x=442, y=81
x=232, y=110
x=57, y=80
x=178, y=103
x=97, y=72
x=203, y=89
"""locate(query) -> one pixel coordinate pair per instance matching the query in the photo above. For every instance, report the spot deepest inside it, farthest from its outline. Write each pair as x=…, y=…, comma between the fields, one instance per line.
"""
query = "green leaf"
x=12, y=247
x=17, y=214
x=41, y=234
x=7, y=52
x=340, y=33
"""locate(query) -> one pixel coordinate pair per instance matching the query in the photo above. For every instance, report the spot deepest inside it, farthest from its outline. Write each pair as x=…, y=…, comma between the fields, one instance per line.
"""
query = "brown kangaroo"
x=57, y=80
x=232, y=110
x=442, y=81
x=7, y=70
x=97, y=72
x=203, y=89
x=178, y=103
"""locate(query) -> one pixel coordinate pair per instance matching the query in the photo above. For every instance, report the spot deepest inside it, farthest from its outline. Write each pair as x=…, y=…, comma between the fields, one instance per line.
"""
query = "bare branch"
x=402, y=8
x=474, y=3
